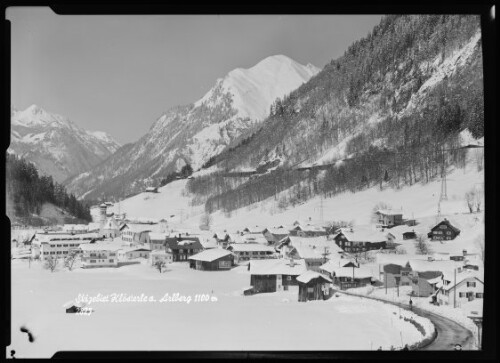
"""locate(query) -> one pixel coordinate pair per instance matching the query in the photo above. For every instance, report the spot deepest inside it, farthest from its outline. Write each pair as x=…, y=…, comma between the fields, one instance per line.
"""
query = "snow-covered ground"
x=416, y=201
x=273, y=321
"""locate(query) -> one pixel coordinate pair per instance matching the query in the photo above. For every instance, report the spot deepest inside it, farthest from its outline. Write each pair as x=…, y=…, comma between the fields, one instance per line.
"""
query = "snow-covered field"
x=274, y=321
x=416, y=201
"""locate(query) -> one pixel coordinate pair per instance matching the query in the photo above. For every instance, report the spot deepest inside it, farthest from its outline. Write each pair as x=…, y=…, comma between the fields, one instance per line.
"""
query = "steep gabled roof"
x=210, y=255
x=310, y=275
x=447, y=223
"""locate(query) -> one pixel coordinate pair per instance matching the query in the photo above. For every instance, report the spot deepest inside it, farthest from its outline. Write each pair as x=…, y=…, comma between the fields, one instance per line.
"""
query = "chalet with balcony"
x=443, y=231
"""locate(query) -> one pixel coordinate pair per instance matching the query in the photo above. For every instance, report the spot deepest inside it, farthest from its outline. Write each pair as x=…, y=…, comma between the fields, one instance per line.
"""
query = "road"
x=449, y=332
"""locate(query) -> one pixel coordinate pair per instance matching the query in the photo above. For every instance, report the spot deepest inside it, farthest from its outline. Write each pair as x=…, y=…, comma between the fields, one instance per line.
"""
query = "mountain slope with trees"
x=27, y=192
x=388, y=113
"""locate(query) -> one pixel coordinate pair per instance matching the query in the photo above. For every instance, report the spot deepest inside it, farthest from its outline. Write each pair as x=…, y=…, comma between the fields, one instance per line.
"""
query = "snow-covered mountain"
x=194, y=133
x=57, y=146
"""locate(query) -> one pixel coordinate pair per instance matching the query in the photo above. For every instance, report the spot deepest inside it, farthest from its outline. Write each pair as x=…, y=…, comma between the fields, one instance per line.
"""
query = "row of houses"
x=447, y=282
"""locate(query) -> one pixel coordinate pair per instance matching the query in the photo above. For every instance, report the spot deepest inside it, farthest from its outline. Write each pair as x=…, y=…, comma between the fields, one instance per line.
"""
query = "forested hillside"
x=389, y=113
x=27, y=192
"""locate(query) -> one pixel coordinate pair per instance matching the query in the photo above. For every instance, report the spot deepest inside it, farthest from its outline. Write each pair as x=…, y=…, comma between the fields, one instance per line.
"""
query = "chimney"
x=292, y=262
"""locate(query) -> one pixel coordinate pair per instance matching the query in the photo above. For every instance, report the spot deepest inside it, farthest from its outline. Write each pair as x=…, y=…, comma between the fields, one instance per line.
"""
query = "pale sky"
x=119, y=73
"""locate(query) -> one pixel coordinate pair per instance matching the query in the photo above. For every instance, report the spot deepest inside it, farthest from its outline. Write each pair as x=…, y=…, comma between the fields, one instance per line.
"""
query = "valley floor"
x=273, y=321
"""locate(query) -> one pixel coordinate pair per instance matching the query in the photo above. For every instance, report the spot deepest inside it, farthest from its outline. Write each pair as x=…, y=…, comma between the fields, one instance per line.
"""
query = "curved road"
x=449, y=332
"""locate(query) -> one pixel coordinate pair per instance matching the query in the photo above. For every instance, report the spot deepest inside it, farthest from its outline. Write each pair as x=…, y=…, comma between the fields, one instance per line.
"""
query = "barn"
x=313, y=286
x=214, y=259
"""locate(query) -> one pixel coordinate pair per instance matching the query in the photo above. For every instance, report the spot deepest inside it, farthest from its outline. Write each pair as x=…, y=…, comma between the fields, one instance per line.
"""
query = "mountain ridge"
x=195, y=132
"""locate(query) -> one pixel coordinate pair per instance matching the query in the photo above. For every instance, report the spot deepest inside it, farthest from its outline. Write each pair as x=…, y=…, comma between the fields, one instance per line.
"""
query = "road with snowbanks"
x=449, y=332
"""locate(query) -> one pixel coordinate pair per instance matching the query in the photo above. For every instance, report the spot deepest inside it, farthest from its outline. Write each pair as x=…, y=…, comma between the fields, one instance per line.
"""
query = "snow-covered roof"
x=358, y=272
x=277, y=267
x=253, y=238
x=357, y=234
x=389, y=212
x=101, y=247
x=134, y=248
x=278, y=231
x=443, y=266
x=309, y=253
x=155, y=236
x=334, y=264
x=461, y=277
x=210, y=255
x=240, y=247
x=310, y=275
x=254, y=230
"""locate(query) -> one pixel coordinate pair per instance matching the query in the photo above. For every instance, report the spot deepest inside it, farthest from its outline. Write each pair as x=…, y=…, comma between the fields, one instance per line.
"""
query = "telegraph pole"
x=455, y=289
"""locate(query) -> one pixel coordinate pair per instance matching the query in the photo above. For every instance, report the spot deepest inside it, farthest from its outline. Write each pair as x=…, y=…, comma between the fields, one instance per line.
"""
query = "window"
x=479, y=295
x=65, y=245
x=58, y=245
x=471, y=283
x=92, y=261
x=448, y=232
x=65, y=252
x=461, y=294
x=111, y=260
x=443, y=226
x=58, y=252
x=289, y=278
x=52, y=253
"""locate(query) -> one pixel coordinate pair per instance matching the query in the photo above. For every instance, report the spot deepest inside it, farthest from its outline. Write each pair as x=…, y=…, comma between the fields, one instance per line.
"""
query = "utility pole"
x=455, y=289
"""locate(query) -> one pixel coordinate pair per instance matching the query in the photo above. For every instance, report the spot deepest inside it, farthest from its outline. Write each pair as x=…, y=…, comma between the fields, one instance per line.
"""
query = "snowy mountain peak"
x=56, y=145
x=253, y=90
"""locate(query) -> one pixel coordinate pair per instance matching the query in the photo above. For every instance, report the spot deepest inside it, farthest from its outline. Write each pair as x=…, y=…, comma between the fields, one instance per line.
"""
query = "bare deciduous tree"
x=421, y=245
x=160, y=265
x=70, y=260
x=51, y=263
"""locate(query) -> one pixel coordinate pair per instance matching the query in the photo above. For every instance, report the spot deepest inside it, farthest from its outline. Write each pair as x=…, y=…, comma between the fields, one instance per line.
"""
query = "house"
x=314, y=257
x=100, y=255
x=253, y=230
x=274, y=235
x=396, y=275
x=136, y=233
x=212, y=260
x=350, y=277
x=58, y=244
x=333, y=264
x=160, y=256
x=275, y=274
x=313, y=286
x=360, y=240
x=409, y=235
x=182, y=249
x=310, y=230
x=425, y=283
x=389, y=218
x=157, y=241
x=152, y=190
x=443, y=231
x=251, y=251
x=130, y=253
x=294, y=230
x=460, y=287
